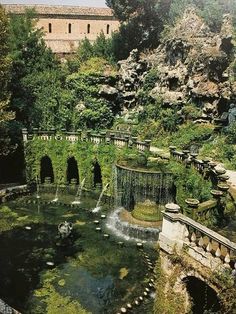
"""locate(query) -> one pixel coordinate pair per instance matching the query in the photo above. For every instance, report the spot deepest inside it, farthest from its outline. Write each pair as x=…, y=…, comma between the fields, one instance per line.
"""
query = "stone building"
x=65, y=26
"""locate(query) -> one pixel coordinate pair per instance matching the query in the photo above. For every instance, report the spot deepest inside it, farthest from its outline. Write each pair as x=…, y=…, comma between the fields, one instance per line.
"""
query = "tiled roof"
x=58, y=10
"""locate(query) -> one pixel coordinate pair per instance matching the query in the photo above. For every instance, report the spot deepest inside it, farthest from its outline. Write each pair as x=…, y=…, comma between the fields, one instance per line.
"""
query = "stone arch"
x=72, y=170
x=203, y=297
x=46, y=169
x=97, y=174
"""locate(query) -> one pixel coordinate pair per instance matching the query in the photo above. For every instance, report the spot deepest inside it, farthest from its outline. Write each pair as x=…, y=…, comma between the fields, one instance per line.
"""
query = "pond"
x=88, y=272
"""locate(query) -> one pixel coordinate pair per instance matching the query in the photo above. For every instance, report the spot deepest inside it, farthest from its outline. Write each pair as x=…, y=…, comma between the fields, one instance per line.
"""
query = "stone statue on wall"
x=232, y=113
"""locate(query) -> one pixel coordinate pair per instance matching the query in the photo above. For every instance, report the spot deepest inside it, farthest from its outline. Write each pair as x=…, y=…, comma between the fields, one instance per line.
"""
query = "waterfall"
x=97, y=208
x=138, y=186
x=128, y=231
x=79, y=193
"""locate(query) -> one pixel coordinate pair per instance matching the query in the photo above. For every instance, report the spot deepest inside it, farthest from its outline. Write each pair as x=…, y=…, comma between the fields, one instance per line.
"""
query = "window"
x=69, y=28
x=88, y=29
x=50, y=27
x=108, y=29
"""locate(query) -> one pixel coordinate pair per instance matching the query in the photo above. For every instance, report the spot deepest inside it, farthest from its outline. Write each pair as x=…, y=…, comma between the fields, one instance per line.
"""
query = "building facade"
x=65, y=26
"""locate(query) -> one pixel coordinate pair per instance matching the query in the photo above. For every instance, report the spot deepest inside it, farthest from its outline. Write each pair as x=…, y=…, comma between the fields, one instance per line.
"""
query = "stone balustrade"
x=203, y=244
x=103, y=137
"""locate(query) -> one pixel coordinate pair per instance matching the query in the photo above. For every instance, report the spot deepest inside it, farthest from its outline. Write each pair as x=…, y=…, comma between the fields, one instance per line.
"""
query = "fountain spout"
x=97, y=208
x=56, y=195
x=37, y=188
x=79, y=193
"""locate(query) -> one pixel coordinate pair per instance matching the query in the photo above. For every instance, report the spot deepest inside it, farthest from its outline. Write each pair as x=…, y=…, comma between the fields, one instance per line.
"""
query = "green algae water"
x=85, y=273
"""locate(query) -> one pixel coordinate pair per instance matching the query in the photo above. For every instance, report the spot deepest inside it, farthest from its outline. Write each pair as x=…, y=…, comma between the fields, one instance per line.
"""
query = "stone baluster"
x=103, y=136
x=209, y=246
x=218, y=252
x=193, y=239
x=201, y=241
x=25, y=135
x=227, y=258
x=147, y=144
x=186, y=235
x=172, y=150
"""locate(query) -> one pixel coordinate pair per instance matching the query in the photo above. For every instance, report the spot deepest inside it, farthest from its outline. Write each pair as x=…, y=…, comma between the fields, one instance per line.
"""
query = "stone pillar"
x=172, y=236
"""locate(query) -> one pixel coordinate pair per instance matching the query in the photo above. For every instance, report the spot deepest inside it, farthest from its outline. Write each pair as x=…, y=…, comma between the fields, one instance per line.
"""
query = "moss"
x=52, y=302
x=167, y=301
x=147, y=211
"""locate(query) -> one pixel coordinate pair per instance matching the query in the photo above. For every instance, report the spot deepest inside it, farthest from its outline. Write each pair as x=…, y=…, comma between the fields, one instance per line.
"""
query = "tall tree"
x=5, y=67
x=30, y=57
x=142, y=21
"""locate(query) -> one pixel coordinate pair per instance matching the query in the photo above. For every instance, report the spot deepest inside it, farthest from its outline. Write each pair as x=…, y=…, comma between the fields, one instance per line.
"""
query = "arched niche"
x=97, y=174
x=46, y=169
x=72, y=171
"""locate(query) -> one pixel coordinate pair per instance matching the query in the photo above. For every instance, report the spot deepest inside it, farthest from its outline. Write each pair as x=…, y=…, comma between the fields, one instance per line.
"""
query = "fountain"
x=37, y=187
x=79, y=193
x=130, y=231
x=97, y=208
x=56, y=195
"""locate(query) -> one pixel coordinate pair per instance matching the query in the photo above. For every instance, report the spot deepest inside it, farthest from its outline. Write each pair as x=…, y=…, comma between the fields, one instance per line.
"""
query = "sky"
x=87, y=3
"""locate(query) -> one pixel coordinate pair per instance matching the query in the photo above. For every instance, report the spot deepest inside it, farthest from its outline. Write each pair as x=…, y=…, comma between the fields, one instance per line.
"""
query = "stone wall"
x=69, y=25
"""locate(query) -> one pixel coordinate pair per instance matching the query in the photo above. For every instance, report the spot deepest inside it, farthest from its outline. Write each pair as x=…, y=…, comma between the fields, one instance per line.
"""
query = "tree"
x=30, y=58
x=5, y=67
x=141, y=21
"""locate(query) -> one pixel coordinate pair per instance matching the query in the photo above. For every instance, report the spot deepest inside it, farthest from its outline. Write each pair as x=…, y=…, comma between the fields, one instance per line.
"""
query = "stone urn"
x=223, y=187
x=172, y=208
x=192, y=202
x=223, y=177
x=220, y=170
x=216, y=194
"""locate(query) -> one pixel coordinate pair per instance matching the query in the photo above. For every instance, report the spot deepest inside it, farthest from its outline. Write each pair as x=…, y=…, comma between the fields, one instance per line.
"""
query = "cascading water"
x=130, y=231
x=56, y=195
x=79, y=193
x=131, y=187
x=37, y=188
x=138, y=186
x=97, y=208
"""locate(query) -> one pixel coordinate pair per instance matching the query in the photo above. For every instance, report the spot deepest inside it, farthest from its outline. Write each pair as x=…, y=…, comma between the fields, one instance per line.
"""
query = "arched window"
x=69, y=28
x=50, y=27
x=88, y=28
x=108, y=29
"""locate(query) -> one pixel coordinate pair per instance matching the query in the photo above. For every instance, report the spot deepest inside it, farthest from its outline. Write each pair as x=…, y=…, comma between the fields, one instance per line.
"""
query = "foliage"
x=230, y=133
x=212, y=11
x=167, y=300
x=90, y=110
x=141, y=24
x=101, y=49
x=33, y=67
x=5, y=75
x=189, y=184
x=55, y=302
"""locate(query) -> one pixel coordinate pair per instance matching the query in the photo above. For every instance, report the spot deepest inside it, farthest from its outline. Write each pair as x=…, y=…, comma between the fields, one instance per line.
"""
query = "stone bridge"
x=198, y=257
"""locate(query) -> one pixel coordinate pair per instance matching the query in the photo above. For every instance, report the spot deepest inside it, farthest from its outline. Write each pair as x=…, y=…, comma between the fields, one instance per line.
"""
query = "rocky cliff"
x=192, y=65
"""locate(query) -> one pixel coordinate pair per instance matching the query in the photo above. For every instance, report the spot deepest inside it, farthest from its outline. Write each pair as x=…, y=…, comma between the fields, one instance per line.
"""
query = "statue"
x=232, y=113
x=65, y=229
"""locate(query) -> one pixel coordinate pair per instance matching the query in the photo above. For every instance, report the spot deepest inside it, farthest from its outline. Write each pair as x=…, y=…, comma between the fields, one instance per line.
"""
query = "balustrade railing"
x=181, y=231
x=124, y=140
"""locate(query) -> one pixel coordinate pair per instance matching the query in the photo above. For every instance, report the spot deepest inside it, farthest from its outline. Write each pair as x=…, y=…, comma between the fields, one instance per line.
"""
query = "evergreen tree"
x=5, y=66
